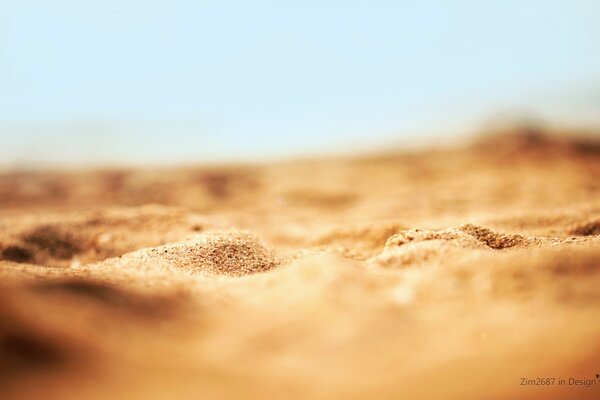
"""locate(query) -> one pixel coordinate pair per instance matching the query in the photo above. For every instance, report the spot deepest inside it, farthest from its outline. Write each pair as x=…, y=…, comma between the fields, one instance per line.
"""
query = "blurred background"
x=172, y=82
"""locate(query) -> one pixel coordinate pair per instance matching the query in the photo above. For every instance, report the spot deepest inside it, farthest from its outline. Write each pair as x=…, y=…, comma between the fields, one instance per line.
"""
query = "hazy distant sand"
x=428, y=275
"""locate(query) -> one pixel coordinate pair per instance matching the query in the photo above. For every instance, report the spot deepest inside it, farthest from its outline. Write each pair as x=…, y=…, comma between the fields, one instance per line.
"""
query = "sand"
x=431, y=274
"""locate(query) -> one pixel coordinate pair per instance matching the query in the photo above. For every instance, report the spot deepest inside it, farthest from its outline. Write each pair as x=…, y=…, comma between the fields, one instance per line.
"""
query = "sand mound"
x=467, y=236
x=416, y=246
x=494, y=240
x=420, y=235
x=233, y=253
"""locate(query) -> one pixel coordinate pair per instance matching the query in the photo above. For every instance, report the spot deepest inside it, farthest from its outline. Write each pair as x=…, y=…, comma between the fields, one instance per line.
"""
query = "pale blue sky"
x=180, y=81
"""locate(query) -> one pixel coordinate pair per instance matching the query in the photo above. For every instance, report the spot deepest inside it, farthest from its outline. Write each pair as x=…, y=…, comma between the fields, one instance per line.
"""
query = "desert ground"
x=465, y=272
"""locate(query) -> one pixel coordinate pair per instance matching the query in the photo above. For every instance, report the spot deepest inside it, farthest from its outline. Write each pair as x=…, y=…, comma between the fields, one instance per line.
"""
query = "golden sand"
x=434, y=274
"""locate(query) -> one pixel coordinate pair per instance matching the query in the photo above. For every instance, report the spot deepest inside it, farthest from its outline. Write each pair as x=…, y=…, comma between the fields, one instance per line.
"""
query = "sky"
x=154, y=82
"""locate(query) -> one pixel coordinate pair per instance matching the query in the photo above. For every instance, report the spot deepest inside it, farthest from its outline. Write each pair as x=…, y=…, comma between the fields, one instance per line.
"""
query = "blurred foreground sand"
x=442, y=274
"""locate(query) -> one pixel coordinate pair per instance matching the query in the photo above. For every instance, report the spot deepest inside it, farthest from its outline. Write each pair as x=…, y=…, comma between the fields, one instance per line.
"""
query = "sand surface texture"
x=441, y=274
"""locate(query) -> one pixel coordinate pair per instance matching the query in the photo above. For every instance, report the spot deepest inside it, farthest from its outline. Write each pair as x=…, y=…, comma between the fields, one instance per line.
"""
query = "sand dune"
x=434, y=274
